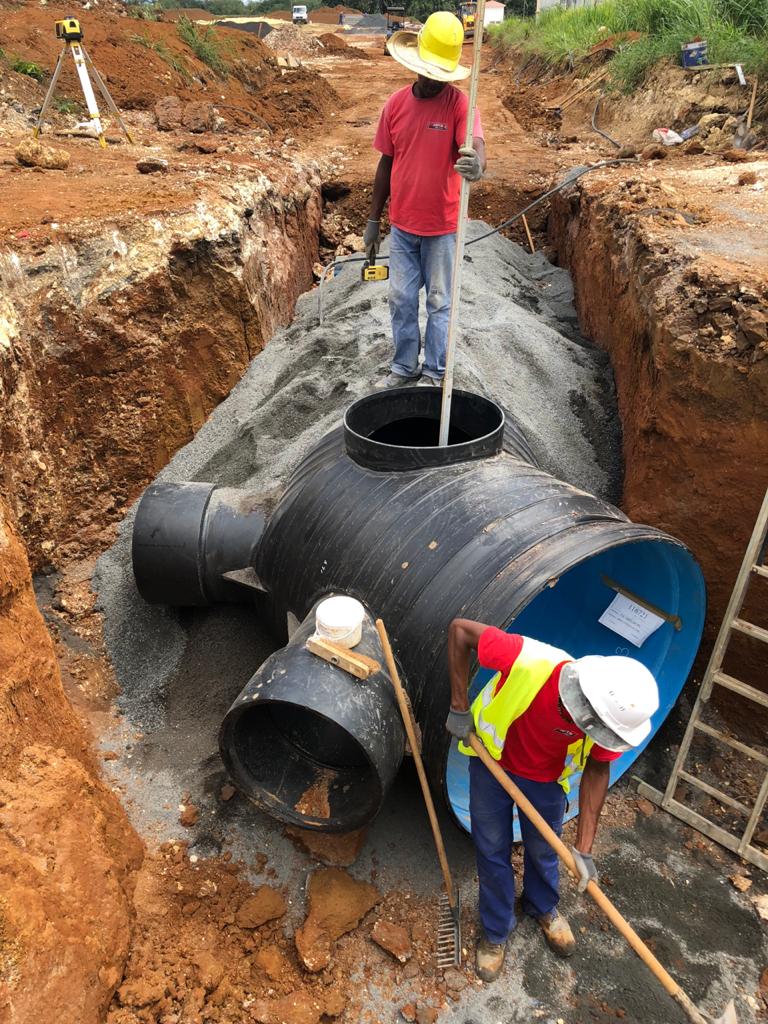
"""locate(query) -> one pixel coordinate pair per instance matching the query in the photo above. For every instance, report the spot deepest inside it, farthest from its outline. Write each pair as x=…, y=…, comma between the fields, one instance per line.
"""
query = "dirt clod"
x=272, y=961
x=265, y=905
x=654, y=151
x=189, y=815
x=337, y=902
x=393, y=938
x=747, y=178
x=227, y=791
x=31, y=153
x=198, y=117
x=168, y=113
x=296, y=1008
x=152, y=165
x=426, y=1014
x=337, y=850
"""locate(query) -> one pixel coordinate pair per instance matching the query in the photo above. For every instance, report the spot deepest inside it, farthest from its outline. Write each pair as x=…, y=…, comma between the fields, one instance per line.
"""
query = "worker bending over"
x=541, y=709
x=421, y=135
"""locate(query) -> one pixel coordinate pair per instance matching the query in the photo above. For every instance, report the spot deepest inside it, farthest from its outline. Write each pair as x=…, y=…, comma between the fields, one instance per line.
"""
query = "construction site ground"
x=131, y=305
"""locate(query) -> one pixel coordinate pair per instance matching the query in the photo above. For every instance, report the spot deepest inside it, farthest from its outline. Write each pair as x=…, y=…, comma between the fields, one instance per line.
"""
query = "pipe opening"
x=399, y=429
x=302, y=767
x=419, y=432
x=566, y=616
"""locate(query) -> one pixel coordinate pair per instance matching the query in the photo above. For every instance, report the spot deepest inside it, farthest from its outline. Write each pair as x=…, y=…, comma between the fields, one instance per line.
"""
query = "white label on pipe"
x=630, y=620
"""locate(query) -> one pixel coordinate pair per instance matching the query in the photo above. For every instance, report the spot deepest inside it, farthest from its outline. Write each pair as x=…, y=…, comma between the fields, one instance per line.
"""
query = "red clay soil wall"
x=67, y=850
x=693, y=404
x=114, y=365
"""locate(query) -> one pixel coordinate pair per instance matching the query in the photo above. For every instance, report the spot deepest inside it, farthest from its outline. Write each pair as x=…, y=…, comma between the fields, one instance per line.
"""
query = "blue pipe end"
x=662, y=572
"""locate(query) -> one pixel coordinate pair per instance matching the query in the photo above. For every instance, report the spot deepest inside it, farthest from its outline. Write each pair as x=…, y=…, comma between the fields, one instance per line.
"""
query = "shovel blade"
x=728, y=1016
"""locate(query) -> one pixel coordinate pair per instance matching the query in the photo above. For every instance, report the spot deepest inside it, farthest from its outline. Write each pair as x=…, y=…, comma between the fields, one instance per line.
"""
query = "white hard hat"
x=612, y=699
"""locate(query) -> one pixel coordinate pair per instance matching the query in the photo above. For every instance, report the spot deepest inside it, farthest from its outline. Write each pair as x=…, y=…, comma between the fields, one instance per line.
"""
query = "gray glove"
x=371, y=237
x=459, y=724
x=586, y=868
x=468, y=164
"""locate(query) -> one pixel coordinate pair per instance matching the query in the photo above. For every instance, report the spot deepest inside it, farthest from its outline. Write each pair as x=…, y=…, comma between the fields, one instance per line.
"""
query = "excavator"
x=467, y=12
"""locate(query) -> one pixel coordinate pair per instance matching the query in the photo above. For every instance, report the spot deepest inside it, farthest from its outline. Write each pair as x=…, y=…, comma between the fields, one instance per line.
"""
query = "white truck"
x=300, y=16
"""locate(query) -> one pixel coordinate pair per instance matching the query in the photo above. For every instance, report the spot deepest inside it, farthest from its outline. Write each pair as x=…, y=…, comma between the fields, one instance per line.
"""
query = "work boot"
x=397, y=380
x=558, y=933
x=489, y=959
x=430, y=381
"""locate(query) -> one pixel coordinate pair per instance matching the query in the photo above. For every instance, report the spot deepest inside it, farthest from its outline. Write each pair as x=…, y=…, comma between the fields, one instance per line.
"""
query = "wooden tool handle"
x=405, y=711
x=594, y=890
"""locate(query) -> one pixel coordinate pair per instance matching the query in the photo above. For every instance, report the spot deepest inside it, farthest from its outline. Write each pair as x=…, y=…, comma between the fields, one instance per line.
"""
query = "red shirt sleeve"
x=383, y=139
x=498, y=650
x=601, y=754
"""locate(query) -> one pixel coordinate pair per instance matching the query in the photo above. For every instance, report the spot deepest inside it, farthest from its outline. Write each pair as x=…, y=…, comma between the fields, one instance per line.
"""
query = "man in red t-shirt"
x=540, y=703
x=420, y=136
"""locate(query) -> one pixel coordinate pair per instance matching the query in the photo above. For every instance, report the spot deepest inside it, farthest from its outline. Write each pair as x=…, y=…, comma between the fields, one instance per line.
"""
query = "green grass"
x=27, y=67
x=158, y=46
x=205, y=44
x=735, y=30
x=142, y=12
x=66, y=106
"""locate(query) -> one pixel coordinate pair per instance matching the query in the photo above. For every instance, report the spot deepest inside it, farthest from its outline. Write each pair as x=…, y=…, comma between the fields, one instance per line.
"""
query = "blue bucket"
x=694, y=54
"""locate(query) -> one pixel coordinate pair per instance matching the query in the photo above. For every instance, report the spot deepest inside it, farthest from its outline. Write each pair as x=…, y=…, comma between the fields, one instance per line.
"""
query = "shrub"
x=205, y=44
x=28, y=67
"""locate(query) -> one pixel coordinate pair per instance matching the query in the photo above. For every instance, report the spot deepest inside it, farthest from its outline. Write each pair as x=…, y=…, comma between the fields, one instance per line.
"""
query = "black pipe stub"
x=309, y=743
x=399, y=429
x=194, y=543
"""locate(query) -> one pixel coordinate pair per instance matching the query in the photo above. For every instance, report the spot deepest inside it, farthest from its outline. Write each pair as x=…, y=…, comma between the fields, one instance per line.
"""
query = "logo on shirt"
x=565, y=732
x=436, y=126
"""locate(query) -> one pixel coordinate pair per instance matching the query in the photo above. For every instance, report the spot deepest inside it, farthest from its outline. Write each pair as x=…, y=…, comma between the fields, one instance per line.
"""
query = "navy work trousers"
x=491, y=811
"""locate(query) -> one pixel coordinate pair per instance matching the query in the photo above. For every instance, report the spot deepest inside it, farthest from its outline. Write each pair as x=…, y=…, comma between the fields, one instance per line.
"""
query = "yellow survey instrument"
x=373, y=271
x=70, y=30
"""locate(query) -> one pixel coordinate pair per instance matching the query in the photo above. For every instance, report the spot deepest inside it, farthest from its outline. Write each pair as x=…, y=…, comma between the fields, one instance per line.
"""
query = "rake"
x=449, y=922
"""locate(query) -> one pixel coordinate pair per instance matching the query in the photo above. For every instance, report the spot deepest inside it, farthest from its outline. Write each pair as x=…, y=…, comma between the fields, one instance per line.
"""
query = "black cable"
x=600, y=131
x=568, y=180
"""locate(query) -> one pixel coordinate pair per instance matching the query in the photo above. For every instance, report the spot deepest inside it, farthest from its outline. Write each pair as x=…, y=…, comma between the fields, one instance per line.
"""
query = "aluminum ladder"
x=753, y=565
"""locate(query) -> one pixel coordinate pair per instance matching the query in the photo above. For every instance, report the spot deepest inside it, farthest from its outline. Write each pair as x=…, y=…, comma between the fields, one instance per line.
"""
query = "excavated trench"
x=116, y=354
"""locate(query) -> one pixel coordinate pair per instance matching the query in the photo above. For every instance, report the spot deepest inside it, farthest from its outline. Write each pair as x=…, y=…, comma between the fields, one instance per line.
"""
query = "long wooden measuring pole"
x=461, y=230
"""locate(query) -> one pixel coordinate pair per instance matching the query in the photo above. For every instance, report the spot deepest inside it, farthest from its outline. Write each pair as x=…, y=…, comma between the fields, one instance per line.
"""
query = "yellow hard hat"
x=435, y=52
x=440, y=40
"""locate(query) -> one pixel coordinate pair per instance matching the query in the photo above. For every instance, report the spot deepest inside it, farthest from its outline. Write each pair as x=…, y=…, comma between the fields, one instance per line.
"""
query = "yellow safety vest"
x=493, y=713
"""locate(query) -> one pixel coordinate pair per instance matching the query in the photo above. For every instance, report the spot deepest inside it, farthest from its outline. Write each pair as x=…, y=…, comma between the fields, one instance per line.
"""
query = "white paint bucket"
x=340, y=620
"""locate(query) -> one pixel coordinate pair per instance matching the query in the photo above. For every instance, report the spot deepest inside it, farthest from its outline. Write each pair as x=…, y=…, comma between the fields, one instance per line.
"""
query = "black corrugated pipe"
x=312, y=744
x=421, y=534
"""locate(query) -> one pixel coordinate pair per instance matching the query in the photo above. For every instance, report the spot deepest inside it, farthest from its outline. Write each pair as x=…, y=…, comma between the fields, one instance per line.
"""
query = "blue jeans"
x=416, y=261
x=491, y=809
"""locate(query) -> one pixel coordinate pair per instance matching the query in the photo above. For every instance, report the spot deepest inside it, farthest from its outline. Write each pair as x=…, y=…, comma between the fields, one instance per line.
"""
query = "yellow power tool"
x=373, y=271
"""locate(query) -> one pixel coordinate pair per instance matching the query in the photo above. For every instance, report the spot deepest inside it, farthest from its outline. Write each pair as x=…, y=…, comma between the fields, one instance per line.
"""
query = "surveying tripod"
x=69, y=30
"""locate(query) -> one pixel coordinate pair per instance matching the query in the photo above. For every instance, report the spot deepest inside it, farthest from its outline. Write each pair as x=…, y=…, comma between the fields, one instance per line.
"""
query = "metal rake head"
x=449, y=933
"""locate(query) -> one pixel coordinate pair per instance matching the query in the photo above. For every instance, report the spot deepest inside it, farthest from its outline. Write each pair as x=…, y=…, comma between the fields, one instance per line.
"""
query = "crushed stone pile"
x=179, y=670
x=289, y=39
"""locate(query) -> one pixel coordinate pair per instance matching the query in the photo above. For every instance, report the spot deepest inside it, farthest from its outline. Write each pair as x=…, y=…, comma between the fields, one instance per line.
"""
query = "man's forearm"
x=592, y=791
x=463, y=638
x=381, y=186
